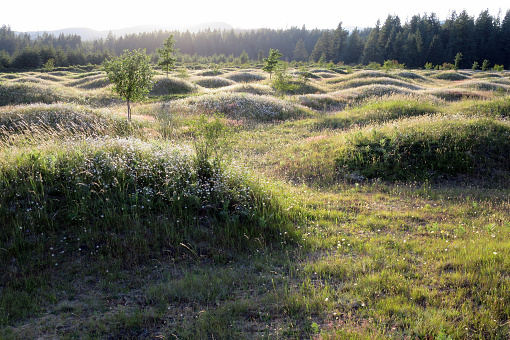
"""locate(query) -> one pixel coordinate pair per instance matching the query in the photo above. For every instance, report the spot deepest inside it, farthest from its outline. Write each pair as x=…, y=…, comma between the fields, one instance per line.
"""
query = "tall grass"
x=382, y=109
x=421, y=148
x=119, y=202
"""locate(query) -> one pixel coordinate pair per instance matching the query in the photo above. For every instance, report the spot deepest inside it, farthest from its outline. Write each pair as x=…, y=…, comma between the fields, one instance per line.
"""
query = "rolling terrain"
x=362, y=204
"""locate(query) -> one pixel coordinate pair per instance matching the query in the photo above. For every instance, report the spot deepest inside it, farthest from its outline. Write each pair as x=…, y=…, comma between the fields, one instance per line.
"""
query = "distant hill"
x=90, y=34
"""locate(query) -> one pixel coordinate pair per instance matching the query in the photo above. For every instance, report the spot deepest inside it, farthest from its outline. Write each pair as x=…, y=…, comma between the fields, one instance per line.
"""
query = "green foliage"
x=373, y=66
x=304, y=75
x=458, y=58
x=392, y=64
x=447, y=66
x=282, y=79
x=211, y=139
x=183, y=73
x=49, y=65
x=475, y=66
x=272, y=61
x=485, y=65
x=244, y=57
x=167, y=61
x=5, y=59
x=131, y=75
x=499, y=68
x=433, y=149
x=429, y=66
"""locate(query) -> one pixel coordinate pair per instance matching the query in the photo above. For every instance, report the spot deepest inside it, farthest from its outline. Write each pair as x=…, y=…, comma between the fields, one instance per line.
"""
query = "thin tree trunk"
x=129, y=110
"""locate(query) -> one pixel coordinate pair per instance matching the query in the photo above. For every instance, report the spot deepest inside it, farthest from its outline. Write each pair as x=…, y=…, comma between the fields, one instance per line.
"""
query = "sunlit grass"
x=367, y=213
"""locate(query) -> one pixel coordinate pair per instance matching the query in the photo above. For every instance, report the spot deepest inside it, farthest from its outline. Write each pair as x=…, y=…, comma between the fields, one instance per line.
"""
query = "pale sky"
x=38, y=15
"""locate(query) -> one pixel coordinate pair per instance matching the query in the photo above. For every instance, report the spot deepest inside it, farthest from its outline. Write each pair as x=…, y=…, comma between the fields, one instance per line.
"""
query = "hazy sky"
x=38, y=15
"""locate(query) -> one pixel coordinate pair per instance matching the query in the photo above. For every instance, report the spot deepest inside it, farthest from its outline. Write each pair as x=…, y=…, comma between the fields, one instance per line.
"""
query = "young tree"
x=131, y=75
x=244, y=57
x=167, y=61
x=272, y=61
x=260, y=56
x=458, y=58
x=485, y=65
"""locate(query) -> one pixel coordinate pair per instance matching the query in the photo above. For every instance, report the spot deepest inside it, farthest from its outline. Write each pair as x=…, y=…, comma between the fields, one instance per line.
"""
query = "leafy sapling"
x=131, y=74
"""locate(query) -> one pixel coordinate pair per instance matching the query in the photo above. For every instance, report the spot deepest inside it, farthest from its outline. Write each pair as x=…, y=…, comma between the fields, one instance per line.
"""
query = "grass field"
x=360, y=205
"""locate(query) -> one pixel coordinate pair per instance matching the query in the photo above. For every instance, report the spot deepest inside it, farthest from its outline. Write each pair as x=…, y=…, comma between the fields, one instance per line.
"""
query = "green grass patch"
x=415, y=149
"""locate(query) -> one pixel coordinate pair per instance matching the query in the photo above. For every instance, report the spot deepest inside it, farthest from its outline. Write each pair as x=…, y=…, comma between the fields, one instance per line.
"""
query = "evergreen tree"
x=272, y=61
x=461, y=38
x=505, y=40
x=484, y=36
x=260, y=56
x=340, y=42
x=166, y=59
x=325, y=46
x=244, y=58
x=27, y=58
x=354, y=49
x=300, y=52
x=435, y=52
x=371, y=52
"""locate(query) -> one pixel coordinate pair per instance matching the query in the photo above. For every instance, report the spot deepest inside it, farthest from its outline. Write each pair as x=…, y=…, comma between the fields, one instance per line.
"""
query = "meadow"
x=356, y=204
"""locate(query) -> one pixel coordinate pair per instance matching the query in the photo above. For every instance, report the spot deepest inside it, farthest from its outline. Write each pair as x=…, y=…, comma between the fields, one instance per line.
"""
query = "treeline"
x=423, y=39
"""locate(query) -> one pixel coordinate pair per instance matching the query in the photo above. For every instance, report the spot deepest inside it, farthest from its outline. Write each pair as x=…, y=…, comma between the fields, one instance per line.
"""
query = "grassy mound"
x=28, y=89
x=450, y=75
x=487, y=75
x=90, y=82
x=479, y=85
x=60, y=119
x=411, y=75
x=240, y=106
x=369, y=91
x=380, y=110
x=257, y=89
x=499, y=107
x=165, y=86
x=416, y=149
x=210, y=73
x=213, y=82
x=455, y=94
x=244, y=77
x=106, y=204
x=321, y=102
x=353, y=83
